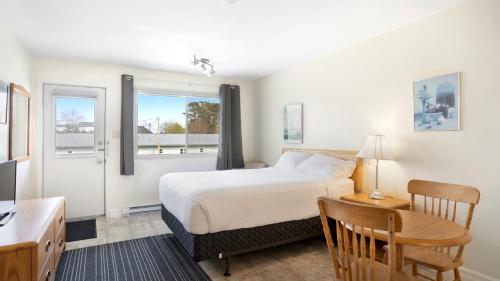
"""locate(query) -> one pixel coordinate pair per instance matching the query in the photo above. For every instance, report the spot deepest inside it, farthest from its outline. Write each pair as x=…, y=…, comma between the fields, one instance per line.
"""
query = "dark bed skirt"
x=233, y=242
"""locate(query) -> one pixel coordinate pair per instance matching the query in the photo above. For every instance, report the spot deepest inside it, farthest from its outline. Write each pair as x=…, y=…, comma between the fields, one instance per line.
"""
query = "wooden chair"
x=440, y=199
x=366, y=219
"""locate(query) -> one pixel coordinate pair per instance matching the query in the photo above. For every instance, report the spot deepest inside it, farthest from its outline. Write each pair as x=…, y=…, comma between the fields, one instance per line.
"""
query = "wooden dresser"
x=31, y=244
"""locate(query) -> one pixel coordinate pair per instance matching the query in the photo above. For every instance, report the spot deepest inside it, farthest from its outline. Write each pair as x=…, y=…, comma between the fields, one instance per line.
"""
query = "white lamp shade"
x=376, y=147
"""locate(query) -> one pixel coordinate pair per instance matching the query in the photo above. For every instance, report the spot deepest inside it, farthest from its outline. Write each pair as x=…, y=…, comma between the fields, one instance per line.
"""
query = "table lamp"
x=376, y=147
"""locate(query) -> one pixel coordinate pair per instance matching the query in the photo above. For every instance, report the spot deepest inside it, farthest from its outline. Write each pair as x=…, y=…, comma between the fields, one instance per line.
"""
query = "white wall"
x=142, y=188
x=15, y=68
x=367, y=88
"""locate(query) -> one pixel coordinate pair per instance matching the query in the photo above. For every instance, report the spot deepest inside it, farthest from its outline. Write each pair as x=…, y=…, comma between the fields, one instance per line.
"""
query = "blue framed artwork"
x=436, y=103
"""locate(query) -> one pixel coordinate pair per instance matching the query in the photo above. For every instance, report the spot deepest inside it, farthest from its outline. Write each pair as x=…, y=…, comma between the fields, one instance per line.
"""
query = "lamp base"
x=377, y=195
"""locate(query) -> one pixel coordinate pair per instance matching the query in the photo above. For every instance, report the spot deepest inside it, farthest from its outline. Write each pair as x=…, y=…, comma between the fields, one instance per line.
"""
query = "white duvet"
x=213, y=201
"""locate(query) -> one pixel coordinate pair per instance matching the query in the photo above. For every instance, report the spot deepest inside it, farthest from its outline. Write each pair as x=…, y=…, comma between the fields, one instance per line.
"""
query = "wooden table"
x=425, y=230
x=388, y=202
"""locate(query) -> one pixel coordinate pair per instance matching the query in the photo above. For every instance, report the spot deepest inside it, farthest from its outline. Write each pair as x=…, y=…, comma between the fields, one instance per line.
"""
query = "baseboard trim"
x=147, y=208
x=471, y=275
x=118, y=213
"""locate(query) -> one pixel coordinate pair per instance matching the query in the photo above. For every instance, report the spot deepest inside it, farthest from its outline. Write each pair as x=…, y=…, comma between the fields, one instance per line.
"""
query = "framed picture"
x=292, y=129
x=436, y=103
x=4, y=94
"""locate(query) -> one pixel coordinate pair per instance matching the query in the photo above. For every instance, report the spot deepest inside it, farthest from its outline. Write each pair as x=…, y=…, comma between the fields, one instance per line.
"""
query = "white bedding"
x=213, y=201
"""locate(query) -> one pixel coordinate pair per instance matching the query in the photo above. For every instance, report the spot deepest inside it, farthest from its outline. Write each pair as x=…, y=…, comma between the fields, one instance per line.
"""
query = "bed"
x=219, y=214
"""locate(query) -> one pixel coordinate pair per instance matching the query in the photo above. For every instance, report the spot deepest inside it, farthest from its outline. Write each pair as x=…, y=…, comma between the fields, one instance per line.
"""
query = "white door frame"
x=42, y=124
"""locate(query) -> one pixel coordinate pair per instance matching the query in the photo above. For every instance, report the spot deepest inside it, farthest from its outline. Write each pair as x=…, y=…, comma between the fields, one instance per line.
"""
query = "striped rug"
x=154, y=258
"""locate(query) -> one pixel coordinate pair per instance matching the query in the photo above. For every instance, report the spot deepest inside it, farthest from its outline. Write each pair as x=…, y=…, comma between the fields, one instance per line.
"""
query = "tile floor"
x=133, y=226
x=307, y=260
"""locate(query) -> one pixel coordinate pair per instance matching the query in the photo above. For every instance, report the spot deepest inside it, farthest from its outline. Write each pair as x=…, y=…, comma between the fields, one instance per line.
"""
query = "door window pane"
x=75, y=125
x=203, y=124
x=161, y=123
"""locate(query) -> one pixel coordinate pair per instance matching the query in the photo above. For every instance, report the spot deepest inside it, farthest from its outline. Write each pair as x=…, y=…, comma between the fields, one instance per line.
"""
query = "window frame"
x=172, y=93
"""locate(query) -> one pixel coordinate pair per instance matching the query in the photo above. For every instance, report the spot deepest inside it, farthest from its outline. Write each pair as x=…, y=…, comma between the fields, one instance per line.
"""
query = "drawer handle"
x=47, y=276
x=60, y=219
x=61, y=242
x=47, y=246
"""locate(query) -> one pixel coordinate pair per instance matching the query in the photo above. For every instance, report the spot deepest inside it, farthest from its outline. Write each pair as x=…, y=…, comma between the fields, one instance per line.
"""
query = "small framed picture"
x=4, y=96
x=292, y=129
x=436, y=103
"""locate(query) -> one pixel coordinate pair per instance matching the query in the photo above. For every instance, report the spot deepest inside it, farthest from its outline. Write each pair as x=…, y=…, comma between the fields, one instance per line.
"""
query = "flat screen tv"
x=7, y=186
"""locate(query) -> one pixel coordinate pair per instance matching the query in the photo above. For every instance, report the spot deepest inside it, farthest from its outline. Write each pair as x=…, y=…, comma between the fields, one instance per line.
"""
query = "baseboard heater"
x=146, y=208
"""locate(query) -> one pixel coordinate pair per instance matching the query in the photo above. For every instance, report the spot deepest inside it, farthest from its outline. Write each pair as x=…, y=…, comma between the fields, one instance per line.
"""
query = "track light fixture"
x=205, y=65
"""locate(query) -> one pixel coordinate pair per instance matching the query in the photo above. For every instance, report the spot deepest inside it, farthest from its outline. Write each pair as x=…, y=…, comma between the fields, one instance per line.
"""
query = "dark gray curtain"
x=127, y=126
x=230, y=148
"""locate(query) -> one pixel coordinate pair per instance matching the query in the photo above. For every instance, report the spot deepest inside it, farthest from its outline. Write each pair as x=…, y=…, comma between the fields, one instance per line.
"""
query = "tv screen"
x=7, y=186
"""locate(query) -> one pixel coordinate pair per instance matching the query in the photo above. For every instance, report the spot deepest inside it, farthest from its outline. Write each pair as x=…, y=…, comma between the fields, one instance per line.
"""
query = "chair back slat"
x=350, y=217
x=432, y=208
x=439, y=208
x=372, y=255
x=392, y=245
x=347, y=251
x=454, y=216
x=446, y=211
x=363, y=255
x=355, y=252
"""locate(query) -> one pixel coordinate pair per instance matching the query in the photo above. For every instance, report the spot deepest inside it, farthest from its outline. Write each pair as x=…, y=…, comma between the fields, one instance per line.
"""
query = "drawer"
x=60, y=244
x=46, y=245
x=47, y=272
x=59, y=218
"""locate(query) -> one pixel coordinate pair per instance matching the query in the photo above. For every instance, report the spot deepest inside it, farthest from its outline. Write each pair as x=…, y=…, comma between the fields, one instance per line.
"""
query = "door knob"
x=100, y=161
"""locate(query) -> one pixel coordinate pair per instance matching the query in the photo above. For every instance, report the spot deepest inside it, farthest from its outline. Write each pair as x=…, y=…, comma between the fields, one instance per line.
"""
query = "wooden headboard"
x=357, y=176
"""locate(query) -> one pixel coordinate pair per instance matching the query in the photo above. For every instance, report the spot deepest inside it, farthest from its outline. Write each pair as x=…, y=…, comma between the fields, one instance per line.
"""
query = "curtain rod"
x=178, y=82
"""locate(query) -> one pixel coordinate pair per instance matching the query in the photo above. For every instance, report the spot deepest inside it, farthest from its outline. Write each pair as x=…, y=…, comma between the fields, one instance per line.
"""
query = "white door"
x=74, y=147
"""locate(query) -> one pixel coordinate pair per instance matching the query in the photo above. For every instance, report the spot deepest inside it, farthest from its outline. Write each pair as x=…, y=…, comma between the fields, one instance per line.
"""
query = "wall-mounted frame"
x=4, y=98
x=437, y=103
x=292, y=123
x=19, y=123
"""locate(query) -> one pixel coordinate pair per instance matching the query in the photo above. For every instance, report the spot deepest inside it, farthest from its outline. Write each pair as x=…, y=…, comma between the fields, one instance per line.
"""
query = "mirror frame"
x=19, y=90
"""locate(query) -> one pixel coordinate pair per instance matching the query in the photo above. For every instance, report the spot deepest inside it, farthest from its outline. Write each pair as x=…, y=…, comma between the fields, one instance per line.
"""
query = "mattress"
x=214, y=201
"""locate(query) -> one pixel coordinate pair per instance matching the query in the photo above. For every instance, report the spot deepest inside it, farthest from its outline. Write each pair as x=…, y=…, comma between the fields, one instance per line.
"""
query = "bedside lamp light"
x=376, y=147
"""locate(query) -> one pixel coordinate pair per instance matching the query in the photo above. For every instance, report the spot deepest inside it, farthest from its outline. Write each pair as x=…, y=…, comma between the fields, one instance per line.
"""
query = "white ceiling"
x=248, y=39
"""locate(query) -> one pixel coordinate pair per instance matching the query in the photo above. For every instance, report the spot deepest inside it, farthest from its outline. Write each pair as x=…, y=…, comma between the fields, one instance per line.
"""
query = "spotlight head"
x=195, y=60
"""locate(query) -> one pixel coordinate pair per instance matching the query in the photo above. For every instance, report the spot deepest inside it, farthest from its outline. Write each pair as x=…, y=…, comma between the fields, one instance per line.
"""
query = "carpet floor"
x=154, y=258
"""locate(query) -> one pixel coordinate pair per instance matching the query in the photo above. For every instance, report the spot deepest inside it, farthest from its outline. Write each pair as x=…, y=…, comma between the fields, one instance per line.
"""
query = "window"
x=74, y=125
x=176, y=124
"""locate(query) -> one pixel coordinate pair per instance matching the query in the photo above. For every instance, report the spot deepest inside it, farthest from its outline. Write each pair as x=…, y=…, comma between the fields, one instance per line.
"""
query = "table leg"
x=400, y=257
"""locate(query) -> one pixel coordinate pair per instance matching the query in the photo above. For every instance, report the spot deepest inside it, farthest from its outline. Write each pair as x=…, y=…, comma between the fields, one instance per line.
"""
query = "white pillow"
x=291, y=159
x=323, y=165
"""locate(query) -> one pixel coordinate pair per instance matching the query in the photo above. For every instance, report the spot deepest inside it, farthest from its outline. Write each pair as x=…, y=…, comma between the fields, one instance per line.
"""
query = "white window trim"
x=175, y=93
